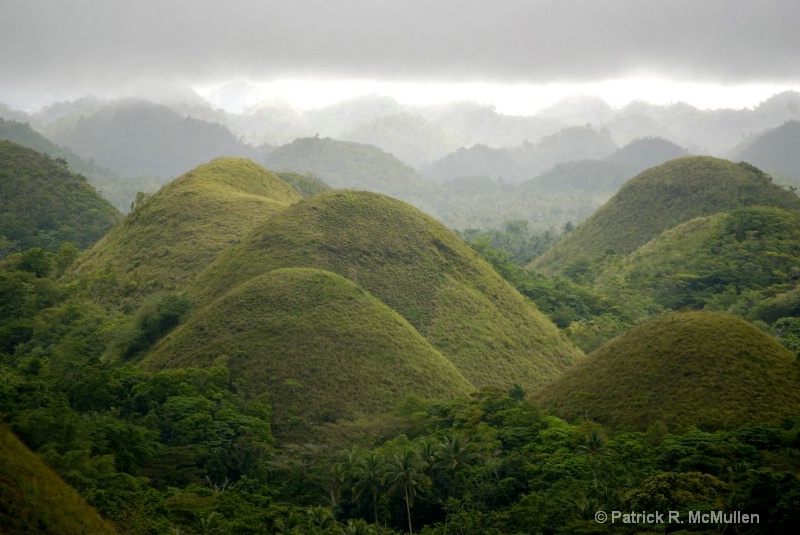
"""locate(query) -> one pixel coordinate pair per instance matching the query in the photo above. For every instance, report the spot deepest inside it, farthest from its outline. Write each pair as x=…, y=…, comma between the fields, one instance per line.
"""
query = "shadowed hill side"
x=33, y=499
x=689, y=369
x=43, y=204
x=417, y=267
x=177, y=232
x=775, y=151
x=661, y=198
x=322, y=347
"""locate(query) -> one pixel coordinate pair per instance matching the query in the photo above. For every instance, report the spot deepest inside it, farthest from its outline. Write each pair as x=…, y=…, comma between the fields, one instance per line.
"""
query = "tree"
x=367, y=473
x=405, y=472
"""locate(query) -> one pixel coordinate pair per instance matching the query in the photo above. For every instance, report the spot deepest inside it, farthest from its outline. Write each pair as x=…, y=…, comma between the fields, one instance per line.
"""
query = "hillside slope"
x=33, y=499
x=177, y=232
x=687, y=369
x=417, y=267
x=660, y=198
x=322, y=348
x=43, y=204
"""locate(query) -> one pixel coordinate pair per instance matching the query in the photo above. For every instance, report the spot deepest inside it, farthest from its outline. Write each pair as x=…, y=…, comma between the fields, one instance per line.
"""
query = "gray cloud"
x=107, y=42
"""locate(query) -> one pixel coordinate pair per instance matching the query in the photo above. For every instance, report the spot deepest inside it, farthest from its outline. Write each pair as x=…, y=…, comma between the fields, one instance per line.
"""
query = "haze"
x=516, y=55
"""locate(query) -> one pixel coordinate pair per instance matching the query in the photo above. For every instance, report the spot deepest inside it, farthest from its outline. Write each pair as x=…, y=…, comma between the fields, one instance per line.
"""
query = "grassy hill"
x=177, y=232
x=713, y=260
x=418, y=268
x=33, y=499
x=322, y=348
x=659, y=199
x=43, y=204
x=644, y=153
x=688, y=369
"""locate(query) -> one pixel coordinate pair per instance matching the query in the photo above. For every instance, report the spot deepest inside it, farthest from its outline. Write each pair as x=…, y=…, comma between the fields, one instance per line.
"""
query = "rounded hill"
x=687, y=369
x=177, y=232
x=43, y=204
x=417, y=267
x=775, y=150
x=661, y=198
x=323, y=348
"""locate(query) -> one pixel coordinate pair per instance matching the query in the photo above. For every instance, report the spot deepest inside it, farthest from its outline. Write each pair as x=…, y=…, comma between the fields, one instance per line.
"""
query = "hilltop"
x=699, y=369
x=173, y=235
x=417, y=267
x=33, y=499
x=660, y=198
x=322, y=348
x=43, y=204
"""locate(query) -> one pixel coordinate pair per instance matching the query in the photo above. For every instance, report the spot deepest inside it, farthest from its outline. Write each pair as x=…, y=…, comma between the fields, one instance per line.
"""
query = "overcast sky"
x=53, y=46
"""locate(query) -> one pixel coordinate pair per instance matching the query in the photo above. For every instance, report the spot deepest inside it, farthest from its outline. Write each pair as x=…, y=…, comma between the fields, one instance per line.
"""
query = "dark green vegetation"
x=700, y=369
x=34, y=499
x=43, y=204
x=171, y=236
x=415, y=266
x=659, y=199
x=306, y=185
x=322, y=347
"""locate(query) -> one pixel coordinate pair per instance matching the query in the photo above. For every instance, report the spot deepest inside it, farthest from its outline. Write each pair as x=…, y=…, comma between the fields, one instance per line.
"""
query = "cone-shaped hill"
x=685, y=369
x=322, y=347
x=177, y=232
x=661, y=198
x=43, y=204
x=417, y=267
x=34, y=499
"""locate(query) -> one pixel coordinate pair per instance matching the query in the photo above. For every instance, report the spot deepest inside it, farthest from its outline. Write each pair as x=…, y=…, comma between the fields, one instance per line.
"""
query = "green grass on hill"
x=177, y=232
x=713, y=260
x=688, y=369
x=34, y=500
x=661, y=198
x=417, y=267
x=43, y=204
x=322, y=347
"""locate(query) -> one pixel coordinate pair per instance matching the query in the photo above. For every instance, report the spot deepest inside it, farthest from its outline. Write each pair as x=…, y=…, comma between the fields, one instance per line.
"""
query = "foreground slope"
x=33, y=499
x=322, y=347
x=177, y=232
x=660, y=198
x=416, y=266
x=43, y=204
x=687, y=369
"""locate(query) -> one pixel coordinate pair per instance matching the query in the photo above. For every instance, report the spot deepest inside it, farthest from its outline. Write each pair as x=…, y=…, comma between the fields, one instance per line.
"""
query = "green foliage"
x=689, y=369
x=33, y=499
x=42, y=204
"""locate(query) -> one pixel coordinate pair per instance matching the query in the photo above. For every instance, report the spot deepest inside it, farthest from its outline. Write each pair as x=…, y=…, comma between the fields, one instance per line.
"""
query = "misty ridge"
x=463, y=162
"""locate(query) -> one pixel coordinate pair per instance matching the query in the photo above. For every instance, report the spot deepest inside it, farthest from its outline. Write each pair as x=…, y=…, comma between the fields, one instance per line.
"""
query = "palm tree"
x=406, y=472
x=367, y=473
x=455, y=453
